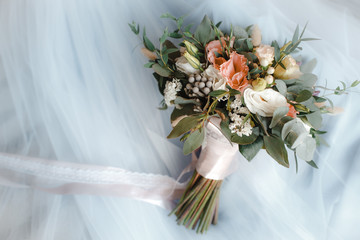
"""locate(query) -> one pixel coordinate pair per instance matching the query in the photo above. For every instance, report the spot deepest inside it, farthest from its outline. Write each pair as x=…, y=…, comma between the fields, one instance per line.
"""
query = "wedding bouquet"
x=233, y=93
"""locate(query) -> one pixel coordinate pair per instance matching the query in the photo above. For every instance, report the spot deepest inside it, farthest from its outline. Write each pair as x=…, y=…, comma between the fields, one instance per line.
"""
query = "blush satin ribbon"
x=59, y=177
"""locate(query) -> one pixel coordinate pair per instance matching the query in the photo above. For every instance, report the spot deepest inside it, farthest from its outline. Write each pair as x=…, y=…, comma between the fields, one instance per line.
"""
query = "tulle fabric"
x=73, y=89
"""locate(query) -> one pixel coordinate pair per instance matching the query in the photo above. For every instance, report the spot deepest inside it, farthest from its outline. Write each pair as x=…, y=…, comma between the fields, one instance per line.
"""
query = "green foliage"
x=134, y=27
x=313, y=164
x=194, y=141
x=239, y=32
x=281, y=87
x=315, y=119
x=306, y=149
x=303, y=96
x=276, y=149
x=162, y=71
x=279, y=113
x=147, y=43
x=187, y=109
x=185, y=125
x=244, y=140
x=217, y=93
x=205, y=32
x=249, y=151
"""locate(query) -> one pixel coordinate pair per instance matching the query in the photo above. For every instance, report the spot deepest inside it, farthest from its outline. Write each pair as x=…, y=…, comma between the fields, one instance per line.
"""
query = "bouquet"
x=231, y=93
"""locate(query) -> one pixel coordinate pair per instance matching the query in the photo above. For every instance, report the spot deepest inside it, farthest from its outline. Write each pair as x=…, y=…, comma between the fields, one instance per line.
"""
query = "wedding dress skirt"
x=73, y=89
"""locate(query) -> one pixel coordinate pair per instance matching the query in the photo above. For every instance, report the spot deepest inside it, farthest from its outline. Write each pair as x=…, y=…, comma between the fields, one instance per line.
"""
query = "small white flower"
x=236, y=106
x=265, y=102
x=170, y=91
x=237, y=126
x=266, y=54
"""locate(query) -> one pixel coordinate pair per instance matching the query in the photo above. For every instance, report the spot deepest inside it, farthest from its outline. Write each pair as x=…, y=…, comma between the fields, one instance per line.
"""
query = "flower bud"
x=259, y=84
x=194, y=62
x=191, y=48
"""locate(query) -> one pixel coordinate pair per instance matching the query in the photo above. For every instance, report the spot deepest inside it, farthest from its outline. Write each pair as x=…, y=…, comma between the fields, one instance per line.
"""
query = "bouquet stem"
x=199, y=204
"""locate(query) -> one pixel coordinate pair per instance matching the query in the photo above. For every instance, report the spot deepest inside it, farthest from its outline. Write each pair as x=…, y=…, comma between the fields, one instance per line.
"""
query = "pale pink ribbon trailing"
x=59, y=177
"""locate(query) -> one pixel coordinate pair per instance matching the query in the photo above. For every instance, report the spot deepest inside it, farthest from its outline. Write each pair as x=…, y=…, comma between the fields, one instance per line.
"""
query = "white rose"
x=265, y=102
x=292, y=69
x=219, y=82
x=184, y=66
x=265, y=54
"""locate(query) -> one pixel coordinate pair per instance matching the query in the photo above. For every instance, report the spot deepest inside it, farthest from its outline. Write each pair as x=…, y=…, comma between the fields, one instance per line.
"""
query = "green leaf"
x=134, y=27
x=218, y=24
x=164, y=36
x=279, y=126
x=204, y=32
x=185, y=125
x=147, y=43
x=172, y=55
x=187, y=109
x=308, y=79
x=315, y=119
x=188, y=34
x=224, y=126
x=296, y=162
x=294, y=133
x=180, y=22
x=279, y=113
x=239, y=32
x=355, y=83
x=168, y=15
x=183, y=101
x=217, y=93
x=277, y=50
x=194, y=141
x=170, y=50
x=175, y=35
x=149, y=64
x=296, y=35
x=281, y=86
x=306, y=149
x=249, y=151
x=303, y=96
x=188, y=27
x=276, y=149
x=162, y=71
x=310, y=39
x=244, y=140
x=313, y=164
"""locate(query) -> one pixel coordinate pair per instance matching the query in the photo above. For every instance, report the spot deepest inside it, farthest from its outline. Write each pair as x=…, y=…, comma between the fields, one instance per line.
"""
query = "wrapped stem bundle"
x=198, y=207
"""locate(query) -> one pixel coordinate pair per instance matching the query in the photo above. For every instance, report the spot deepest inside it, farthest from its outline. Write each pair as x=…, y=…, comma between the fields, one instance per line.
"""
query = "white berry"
x=195, y=90
x=191, y=79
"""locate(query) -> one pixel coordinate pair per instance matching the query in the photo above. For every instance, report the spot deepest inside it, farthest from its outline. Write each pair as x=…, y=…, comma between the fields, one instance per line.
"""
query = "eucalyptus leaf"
x=315, y=119
x=303, y=96
x=162, y=71
x=186, y=110
x=249, y=151
x=239, y=32
x=185, y=125
x=281, y=87
x=306, y=149
x=168, y=15
x=313, y=164
x=276, y=47
x=294, y=132
x=279, y=126
x=308, y=79
x=204, y=32
x=194, y=141
x=276, y=149
x=278, y=114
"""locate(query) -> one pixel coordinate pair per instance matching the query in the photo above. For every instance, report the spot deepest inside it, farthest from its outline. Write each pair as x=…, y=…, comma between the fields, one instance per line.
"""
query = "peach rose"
x=235, y=71
x=292, y=112
x=211, y=48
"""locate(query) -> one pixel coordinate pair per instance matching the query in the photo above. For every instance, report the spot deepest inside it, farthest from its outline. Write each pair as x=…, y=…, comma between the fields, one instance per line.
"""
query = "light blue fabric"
x=73, y=88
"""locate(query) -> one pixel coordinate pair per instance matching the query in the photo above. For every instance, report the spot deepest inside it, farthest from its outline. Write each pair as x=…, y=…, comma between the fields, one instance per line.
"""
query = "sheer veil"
x=73, y=88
